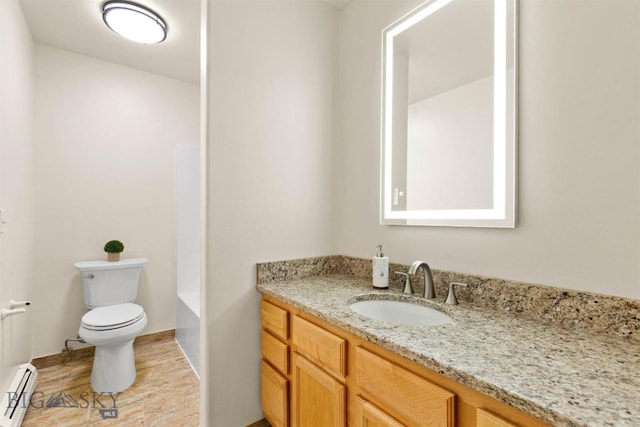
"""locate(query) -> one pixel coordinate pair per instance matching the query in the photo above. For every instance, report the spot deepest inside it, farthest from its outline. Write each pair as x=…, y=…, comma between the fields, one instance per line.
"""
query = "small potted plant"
x=113, y=249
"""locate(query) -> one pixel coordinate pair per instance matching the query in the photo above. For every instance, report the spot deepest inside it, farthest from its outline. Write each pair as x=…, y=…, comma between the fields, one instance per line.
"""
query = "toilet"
x=113, y=322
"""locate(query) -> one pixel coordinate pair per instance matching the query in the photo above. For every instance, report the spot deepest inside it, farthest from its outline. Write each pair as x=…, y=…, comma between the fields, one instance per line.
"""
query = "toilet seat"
x=112, y=317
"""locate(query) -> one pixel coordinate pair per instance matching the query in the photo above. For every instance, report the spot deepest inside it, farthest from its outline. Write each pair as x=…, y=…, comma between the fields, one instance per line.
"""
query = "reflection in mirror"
x=448, y=122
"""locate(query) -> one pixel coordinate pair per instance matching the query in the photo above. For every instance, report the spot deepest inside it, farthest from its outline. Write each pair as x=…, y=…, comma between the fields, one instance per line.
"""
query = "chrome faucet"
x=429, y=290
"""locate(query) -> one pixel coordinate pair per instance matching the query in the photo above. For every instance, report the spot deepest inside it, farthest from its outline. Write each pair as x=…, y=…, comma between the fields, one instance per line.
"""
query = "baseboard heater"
x=15, y=401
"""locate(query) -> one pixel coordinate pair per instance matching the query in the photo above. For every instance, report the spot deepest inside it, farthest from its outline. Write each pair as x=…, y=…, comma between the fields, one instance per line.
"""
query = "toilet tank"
x=109, y=283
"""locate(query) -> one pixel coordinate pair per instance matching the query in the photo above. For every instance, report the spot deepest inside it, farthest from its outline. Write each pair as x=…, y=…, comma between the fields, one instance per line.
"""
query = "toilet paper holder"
x=12, y=310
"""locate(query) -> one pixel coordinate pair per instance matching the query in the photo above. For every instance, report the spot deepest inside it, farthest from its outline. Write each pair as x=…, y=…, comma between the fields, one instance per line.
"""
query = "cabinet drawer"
x=275, y=352
x=275, y=320
x=322, y=347
x=487, y=419
x=409, y=396
x=275, y=396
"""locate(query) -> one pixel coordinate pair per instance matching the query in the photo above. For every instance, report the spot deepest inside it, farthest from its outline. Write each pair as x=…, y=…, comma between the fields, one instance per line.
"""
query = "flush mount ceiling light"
x=135, y=22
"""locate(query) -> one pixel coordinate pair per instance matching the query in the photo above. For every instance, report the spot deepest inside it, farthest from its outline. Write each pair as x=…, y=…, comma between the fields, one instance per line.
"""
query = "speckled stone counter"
x=565, y=376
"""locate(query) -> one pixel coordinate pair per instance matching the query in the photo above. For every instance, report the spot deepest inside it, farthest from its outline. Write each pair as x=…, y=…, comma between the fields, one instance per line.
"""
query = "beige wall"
x=579, y=168
x=16, y=184
x=104, y=169
x=271, y=105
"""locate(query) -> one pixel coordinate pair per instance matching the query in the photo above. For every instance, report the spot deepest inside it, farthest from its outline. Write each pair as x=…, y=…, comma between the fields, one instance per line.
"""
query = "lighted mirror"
x=448, y=115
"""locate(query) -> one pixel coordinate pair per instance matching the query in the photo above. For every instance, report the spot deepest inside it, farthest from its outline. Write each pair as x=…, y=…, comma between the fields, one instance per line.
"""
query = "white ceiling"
x=76, y=25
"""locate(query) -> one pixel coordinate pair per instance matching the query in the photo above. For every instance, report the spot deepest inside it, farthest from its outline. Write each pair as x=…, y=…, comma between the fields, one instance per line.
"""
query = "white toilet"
x=113, y=322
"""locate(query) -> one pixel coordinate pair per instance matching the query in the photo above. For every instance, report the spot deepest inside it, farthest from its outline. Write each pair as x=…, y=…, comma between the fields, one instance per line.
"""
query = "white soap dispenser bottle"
x=380, y=270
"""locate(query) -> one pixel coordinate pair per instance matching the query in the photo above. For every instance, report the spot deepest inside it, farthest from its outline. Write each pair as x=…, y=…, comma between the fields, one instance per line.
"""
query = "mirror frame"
x=503, y=212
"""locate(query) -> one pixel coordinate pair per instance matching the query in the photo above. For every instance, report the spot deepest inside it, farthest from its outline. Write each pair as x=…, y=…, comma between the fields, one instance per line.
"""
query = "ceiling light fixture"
x=135, y=22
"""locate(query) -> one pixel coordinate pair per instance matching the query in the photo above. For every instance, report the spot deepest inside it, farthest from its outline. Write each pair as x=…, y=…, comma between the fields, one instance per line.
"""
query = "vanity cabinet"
x=275, y=364
x=319, y=371
x=316, y=374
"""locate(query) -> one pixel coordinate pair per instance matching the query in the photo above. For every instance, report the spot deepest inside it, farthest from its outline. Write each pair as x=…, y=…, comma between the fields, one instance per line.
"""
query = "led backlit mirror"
x=448, y=115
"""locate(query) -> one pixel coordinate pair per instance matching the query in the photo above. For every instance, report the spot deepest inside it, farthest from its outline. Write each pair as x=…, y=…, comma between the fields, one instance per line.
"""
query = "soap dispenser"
x=380, y=270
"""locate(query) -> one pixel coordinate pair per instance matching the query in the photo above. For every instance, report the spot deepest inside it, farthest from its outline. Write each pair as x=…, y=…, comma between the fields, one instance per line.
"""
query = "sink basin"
x=400, y=312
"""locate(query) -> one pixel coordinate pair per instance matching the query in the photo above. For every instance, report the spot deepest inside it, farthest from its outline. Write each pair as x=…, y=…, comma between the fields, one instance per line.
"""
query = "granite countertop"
x=566, y=377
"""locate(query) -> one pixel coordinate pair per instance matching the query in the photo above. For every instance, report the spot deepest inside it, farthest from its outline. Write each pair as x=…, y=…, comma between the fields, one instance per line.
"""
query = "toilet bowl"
x=113, y=321
x=112, y=330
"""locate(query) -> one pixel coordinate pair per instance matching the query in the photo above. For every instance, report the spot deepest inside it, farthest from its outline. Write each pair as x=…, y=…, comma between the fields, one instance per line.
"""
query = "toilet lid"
x=112, y=316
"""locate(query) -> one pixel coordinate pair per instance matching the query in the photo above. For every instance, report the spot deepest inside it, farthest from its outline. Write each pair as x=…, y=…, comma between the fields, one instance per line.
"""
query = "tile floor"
x=166, y=393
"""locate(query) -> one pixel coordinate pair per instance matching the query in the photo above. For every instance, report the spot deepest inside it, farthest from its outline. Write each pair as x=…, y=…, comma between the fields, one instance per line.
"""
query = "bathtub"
x=188, y=327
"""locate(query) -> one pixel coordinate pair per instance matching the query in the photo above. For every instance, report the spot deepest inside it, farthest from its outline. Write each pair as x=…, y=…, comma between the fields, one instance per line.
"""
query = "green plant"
x=114, y=247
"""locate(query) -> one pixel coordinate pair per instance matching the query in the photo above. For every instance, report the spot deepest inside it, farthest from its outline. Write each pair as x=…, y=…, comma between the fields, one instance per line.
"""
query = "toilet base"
x=114, y=368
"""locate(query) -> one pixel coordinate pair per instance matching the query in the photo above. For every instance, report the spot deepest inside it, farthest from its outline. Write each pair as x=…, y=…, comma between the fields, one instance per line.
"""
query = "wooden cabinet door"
x=366, y=414
x=318, y=399
x=275, y=396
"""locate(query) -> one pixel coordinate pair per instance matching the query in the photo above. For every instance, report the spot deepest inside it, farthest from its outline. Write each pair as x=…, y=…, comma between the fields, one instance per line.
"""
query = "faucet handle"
x=407, y=283
x=451, y=298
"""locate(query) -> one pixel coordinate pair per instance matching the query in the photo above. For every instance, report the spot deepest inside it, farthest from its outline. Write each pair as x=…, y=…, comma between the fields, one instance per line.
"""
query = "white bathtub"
x=188, y=327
